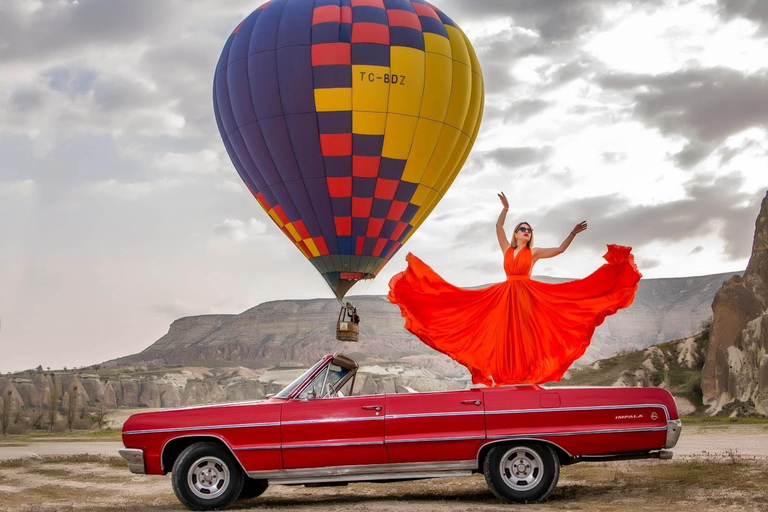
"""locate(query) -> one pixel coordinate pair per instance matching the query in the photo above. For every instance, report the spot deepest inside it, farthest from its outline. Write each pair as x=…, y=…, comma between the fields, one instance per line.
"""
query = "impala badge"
x=629, y=417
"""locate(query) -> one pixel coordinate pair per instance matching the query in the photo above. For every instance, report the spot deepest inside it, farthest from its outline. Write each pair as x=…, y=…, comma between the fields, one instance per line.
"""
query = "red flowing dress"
x=518, y=331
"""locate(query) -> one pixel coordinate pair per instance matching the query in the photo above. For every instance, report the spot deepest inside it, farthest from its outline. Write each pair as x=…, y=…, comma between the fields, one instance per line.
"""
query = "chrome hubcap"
x=208, y=477
x=521, y=468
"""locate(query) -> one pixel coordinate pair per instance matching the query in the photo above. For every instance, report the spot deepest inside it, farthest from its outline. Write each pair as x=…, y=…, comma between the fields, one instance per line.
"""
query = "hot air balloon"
x=348, y=120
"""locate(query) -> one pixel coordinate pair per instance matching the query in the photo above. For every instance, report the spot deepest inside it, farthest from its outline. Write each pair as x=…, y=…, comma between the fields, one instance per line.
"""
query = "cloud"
x=206, y=161
x=24, y=100
x=754, y=10
x=648, y=263
x=696, y=250
x=513, y=158
x=555, y=20
x=65, y=27
x=704, y=106
x=517, y=111
x=713, y=204
x=614, y=157
x=122, y=190
x=24, y=188
x=239, y=231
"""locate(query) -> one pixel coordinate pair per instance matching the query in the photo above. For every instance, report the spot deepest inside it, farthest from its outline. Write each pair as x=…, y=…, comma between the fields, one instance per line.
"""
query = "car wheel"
x=523, y=472
x=206, y=476
x=252, y=488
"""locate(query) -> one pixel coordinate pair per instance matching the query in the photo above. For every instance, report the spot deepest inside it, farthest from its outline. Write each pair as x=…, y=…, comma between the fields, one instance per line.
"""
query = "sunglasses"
x=525, y=230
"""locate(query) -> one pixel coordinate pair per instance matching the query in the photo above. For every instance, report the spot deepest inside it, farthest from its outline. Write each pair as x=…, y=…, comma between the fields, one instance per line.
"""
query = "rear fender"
x=562, y=454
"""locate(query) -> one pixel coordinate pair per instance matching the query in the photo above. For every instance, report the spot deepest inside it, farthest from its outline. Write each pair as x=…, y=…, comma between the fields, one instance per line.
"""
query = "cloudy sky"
x=120, y=211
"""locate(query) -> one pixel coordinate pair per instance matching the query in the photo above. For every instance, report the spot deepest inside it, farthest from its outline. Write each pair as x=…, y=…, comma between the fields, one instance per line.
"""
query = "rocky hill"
x=674, y=365
x=736, y=368
x=302, y=331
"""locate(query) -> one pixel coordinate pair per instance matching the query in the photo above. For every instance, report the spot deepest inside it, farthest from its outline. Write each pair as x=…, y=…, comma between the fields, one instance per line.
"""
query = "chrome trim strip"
x=262, y=447
x=585, y=408
x=207, y=427
x=332, y=445
x=416, y=475
x=367, y=471
x=579, y=432
x=333, y=420
x=433, y=439
x=433, y=414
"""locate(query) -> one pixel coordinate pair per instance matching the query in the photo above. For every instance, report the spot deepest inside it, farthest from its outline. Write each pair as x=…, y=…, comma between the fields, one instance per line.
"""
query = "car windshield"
x=286, y=392
x=324, y=384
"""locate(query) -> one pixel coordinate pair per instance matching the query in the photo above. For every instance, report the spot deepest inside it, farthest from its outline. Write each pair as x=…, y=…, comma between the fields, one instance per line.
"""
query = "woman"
x=519, y=331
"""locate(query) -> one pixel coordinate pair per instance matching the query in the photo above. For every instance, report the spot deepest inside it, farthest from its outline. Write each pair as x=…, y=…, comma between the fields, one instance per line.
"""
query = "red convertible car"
x=317, y=431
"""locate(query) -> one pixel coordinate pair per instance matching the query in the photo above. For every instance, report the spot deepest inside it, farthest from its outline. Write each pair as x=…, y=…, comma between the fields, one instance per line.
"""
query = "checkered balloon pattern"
x=348, y=120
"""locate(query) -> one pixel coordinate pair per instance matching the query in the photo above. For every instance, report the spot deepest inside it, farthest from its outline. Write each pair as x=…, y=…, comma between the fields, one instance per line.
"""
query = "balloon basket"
x=347, y=331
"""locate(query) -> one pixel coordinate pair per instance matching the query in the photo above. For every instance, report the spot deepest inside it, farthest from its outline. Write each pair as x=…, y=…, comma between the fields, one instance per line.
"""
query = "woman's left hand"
x=581, y=226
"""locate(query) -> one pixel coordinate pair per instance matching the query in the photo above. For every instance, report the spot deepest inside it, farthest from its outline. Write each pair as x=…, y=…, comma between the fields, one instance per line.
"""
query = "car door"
x=432, y=427
x=322, y=431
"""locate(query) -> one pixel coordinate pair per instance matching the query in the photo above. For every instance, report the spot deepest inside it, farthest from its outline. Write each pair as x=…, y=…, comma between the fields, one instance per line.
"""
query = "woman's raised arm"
x=503, y=241
x=542, y=253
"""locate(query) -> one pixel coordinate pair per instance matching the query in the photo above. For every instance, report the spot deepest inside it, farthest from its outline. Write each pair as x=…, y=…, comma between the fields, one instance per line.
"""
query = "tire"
x=252, y=488
x=206, y=476
x=522, y=472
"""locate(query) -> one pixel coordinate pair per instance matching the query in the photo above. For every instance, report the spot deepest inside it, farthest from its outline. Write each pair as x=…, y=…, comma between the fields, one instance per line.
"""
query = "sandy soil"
x=716, y=468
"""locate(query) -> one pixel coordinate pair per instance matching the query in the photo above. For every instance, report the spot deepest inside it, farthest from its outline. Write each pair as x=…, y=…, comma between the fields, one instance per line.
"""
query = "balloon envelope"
x=348, y=120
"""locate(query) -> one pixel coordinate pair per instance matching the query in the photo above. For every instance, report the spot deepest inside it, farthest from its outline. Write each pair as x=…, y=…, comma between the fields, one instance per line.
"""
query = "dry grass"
x=88, y=483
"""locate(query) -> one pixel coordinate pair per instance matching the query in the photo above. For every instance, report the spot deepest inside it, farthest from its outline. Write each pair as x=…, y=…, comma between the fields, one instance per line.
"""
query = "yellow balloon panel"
x=421, y=195
x=369, y=91
x=406, y=83
x=398, y=137
x=369, y=123
x=439, y=82
x=424, y=211
x=333, y=100
x=461, y=94
x=459, y=51
x=452, y=165
x=437, y=165
x=462, y=124
x=434, y=43
x=424, y=142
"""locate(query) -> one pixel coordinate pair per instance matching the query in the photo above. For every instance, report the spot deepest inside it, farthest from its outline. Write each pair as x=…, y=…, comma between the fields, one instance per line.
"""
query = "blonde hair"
x=513, y=242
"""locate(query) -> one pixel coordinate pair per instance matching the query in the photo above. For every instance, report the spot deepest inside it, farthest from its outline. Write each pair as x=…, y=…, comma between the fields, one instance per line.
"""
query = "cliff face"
x=736, y=368
x=303, y=331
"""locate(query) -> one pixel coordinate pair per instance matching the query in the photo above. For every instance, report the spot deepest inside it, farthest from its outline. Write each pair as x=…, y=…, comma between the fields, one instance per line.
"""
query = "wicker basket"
x=347, y=331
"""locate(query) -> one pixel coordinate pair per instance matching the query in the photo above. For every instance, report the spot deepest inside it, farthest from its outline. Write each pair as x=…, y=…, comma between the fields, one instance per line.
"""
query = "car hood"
x=205, y=416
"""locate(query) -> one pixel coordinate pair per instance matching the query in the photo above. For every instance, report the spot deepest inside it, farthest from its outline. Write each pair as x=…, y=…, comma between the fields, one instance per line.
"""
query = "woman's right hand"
x=504, y=201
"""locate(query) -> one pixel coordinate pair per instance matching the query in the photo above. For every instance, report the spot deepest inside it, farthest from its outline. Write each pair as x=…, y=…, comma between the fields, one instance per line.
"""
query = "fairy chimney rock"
x=736, y=368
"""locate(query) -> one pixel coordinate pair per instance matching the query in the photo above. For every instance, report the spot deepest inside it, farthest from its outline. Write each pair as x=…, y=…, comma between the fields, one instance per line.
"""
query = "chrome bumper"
x=674, y=427
x=135, y=459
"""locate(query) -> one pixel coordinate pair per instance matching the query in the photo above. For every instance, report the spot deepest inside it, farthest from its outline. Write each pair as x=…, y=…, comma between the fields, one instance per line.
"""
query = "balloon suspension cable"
x=364, y=290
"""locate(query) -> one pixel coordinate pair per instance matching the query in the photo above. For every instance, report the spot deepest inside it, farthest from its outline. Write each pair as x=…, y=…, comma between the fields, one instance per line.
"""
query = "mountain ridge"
x=303, y=330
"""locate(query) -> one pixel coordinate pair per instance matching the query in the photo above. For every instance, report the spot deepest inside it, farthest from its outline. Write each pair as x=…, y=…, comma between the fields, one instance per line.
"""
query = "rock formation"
x=175, y=387
x=303, y=331
x=736, y=368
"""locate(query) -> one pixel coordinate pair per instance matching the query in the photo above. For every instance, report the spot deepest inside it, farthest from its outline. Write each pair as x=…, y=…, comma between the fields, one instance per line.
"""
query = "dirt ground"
x=716, y=468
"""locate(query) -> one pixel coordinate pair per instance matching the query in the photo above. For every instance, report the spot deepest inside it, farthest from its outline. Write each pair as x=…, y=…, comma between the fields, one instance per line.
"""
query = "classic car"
x=317, y=431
